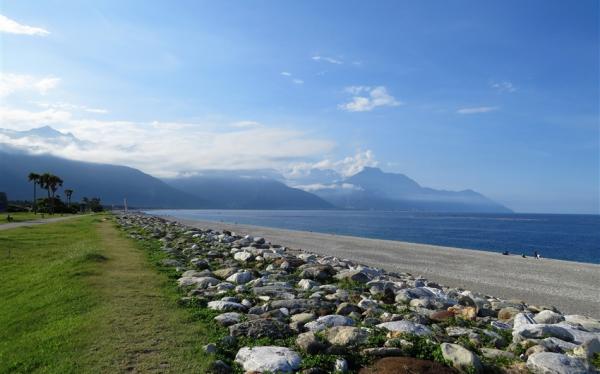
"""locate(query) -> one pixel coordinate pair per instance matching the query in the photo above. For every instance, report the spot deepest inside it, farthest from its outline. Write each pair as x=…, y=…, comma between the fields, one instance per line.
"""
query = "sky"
x=497, y=96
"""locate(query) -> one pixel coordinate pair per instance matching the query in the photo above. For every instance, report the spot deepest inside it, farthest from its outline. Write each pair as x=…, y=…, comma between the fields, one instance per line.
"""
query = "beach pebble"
x=268, y=359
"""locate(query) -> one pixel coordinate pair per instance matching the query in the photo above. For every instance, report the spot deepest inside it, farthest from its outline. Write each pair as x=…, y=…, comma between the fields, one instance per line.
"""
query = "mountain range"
x=371, y=188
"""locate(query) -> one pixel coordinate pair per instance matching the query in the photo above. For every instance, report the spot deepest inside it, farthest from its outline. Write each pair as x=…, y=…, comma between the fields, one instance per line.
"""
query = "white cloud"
x=368, y=98
x=331, y=60
x=11, y=83
x=46, y=84
x=504, y=86
x=290, y=76
x=167, y=149
x=333, y=186
x=476, y=110
x=72, y=107
x=346, y=167
x=10, y=26
x=16, y=119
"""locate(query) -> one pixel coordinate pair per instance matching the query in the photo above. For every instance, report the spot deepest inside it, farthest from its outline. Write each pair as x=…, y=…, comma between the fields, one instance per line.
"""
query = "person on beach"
x=523, y=255
x=536, y=255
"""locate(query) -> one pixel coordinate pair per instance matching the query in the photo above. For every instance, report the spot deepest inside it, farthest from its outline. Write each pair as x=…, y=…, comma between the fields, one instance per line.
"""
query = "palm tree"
x=51, y=183
x=35, y=178
x=69, y=193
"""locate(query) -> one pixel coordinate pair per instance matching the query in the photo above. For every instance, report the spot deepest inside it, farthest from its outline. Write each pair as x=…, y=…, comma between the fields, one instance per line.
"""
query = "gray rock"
x=353, y=275
x=268, y=359
x=261, y=328
x=407, y=327
x=461, y=358
x=303, y=317
x=228, y=319
x=309, y=343
x=225, y=272
x=307, y=284
x=548, y=316
x=328, y=321
x=539, y=331
x=493, y=353
x=589, y=324
x=319, y=273
x=555, y=363
x=198, y=282
x=347, y=308
x=226, y=306
x=241, y=277
x=171, y=262
x=341, y=365
x=243, y=256
x=346, y=335
x=588, y=349
x=557, y=345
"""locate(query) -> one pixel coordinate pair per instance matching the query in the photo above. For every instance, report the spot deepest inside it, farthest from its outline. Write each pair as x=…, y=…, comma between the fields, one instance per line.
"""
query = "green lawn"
x=26, y=216
x=77, y=296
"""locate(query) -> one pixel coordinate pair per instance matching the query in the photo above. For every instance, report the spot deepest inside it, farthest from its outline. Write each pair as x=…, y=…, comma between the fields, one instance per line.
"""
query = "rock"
x=219, y=367
x=548, y=316
x=353, y=275
x=534, y=349
x=261, y=328
x=319, y=273
x=303, y=317
x=589, y=324
x=506, y=314
x=557, y=345
x=441, y=315
x=228, y=319
x=538, y=331
x=243, y=256
x=201, y=282
x=493, y=353
x=309, y=343
x=199, y=263
x=405, y=365
x=461, y=358
x=300, y=305
x=225, y=272
x=341, y=365
x=307, y=284
x=346, y=335
x=382, y=352
x=555, y=363
x=406, y=327
x=328, y=321
x=588, y=349
x=171, y=262
x=268, y=359
x=226, y=306
x=465, y=312
x=347, y=308
x=522, y=319
x=241, y=277
x=210, y=348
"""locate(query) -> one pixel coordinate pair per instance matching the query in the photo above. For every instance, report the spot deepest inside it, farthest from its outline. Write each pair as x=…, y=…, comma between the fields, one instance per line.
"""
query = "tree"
x=35, y=178
x=50, y=183
x=69, y=193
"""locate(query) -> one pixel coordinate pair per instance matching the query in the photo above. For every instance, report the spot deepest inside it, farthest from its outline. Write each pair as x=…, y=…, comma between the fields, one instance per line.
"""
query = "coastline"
x=570, y=286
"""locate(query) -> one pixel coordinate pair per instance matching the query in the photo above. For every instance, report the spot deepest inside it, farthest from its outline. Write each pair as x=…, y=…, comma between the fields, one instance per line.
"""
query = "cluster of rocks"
x=316, y=305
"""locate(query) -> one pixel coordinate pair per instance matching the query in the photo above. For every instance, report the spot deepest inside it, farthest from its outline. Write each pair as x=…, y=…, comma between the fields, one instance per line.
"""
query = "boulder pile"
x=281, y=310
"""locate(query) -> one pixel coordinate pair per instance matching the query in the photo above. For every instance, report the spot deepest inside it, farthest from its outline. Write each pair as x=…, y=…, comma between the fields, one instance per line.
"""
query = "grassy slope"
x=80, y=297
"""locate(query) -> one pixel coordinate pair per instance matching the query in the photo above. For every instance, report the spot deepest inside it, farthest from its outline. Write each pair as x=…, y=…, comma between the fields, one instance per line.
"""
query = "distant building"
x=3, y=202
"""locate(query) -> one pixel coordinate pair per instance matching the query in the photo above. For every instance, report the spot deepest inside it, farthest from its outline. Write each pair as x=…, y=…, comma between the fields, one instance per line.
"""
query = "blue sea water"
x=559, y=236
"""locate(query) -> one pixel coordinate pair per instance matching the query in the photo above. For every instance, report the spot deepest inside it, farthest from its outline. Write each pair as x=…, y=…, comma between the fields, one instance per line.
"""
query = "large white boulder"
x=268, y=359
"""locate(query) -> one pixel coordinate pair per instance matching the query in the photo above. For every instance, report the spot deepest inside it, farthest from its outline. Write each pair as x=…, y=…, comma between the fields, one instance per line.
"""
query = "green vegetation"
x=80, y=297
x=20, y=217
x=596, y=360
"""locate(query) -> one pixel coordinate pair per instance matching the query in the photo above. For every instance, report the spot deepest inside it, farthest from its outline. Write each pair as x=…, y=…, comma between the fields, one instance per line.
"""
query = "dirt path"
x=142, y=330
x=14, y=225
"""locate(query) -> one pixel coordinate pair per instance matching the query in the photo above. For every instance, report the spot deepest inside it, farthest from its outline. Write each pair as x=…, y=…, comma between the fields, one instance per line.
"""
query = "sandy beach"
x=572, y=287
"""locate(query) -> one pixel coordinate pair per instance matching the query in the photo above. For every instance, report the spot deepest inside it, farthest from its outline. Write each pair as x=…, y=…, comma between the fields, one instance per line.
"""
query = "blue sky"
x=499, y=97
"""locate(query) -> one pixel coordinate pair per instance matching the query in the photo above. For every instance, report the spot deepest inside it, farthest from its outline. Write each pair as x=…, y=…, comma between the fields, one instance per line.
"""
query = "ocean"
x=559, y=236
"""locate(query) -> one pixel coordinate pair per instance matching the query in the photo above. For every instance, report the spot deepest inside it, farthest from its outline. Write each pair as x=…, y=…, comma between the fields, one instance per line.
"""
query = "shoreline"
x=570, y=286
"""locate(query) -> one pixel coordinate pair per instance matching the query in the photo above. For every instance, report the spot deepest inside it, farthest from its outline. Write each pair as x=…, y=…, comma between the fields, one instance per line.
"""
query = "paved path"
x=573, y=287
x=14, y=225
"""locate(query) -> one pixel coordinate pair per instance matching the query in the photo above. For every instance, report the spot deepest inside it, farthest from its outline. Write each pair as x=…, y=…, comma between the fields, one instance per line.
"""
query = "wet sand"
x=571, y=286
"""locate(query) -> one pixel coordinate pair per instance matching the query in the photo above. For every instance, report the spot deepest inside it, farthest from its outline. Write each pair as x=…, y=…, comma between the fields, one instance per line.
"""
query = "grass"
x=78, y=296
x=26, y=216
